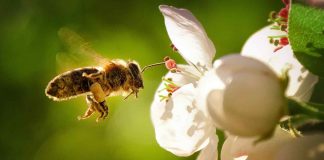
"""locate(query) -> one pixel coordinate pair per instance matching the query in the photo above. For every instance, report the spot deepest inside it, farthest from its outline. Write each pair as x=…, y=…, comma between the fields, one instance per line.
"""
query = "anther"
x=284, y=41
x=276, y=42
x=170, y=64
x=173, y=70
x=271, y=40
x=283, y=27
x=174, y=48
x=166, y=58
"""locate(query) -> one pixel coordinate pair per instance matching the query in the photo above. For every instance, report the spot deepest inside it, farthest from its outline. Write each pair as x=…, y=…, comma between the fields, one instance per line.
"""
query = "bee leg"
x=91, y=107
x=99, y=96
x=104, y=107
x=136, y=94
x=129, y=95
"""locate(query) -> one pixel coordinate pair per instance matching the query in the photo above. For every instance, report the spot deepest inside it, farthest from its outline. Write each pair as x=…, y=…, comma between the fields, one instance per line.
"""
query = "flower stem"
x=279, y=36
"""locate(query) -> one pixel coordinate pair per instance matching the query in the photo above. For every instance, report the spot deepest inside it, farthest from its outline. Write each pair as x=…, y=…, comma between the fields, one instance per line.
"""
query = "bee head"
x=136, y=74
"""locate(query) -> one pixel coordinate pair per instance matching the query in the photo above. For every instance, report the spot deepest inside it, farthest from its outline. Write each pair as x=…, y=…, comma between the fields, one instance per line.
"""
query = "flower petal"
x=210, y=151
x=235, y=146
x=179, y=80
x=258, y=45
x=301, y=81
x=180, y=126
x=309, y=147
x=188, y=36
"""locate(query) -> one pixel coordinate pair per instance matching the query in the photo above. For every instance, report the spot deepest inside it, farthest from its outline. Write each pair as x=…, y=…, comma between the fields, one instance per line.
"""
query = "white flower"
x=182, y=120
x=301, y=81
x=181, y=126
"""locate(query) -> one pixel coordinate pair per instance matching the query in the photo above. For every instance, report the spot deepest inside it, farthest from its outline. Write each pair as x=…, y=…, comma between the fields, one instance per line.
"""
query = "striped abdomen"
x=69, y=84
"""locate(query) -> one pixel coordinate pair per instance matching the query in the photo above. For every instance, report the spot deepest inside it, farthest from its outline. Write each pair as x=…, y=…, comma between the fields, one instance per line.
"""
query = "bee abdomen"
x=69, y=84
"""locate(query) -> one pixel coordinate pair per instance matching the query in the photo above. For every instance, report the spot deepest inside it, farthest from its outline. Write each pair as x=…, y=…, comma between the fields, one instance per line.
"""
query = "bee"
x=115, y=77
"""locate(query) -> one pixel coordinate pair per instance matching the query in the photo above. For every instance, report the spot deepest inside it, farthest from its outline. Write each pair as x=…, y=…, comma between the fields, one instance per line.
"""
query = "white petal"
x=258, y=46
x=235, y=147
x=310, y=147
x=226, y=148
x=266, y=150
x=250, y=100
x=179, y=80
x=209, y=82
x=210, y=151
x=188, y=36
x=301, y=81
x=180, y=126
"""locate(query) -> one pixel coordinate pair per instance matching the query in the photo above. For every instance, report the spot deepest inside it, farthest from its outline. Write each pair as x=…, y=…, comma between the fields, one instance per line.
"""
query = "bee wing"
x=77, y=52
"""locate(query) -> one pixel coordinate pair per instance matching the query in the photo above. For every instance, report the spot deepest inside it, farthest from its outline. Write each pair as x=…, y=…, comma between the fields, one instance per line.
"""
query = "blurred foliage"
x=306, y=36
x=34, y=127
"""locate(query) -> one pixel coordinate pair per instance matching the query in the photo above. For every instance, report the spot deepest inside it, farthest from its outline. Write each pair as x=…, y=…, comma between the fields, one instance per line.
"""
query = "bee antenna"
x=152, y=65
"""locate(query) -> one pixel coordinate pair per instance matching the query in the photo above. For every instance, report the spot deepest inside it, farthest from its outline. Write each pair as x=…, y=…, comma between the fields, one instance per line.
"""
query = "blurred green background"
x=34, y=127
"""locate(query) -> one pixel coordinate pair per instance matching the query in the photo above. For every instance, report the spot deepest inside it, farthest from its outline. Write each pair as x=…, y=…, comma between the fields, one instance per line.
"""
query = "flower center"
x=171, y=65
x=170, y=87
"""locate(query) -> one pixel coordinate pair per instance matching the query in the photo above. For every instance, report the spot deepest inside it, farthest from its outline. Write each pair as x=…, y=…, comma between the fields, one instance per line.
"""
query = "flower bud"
x=243, y=96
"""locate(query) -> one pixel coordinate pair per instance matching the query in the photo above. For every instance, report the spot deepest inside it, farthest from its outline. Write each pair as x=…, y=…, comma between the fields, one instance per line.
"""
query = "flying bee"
x=115, y=77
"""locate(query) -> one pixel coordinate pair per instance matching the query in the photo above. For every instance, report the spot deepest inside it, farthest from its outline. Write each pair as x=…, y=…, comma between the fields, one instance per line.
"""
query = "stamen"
x=170, y=87
x=277, y=49
x=171, y=65
x=280, y=23
x=189, y=74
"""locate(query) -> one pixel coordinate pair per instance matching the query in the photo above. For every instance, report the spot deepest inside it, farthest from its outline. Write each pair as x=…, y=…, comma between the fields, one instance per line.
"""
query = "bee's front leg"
x=136, y=94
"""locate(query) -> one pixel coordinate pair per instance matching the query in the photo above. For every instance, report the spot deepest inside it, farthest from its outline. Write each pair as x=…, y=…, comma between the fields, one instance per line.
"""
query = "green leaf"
x=306, y=36
x=312, y=110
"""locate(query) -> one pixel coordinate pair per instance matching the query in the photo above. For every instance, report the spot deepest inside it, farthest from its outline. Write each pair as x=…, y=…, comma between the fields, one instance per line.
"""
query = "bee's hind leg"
x=102, y=108
x=94, y=106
